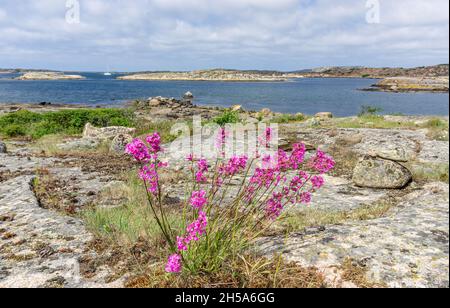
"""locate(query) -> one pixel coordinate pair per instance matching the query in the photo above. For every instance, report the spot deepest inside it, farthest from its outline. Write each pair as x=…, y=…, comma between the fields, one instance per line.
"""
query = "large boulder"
x=237, y=108
x=188, y=96
x=119, y=143
x=324, y=115
x=379, y=173
x=2, y=147
x=106, y=133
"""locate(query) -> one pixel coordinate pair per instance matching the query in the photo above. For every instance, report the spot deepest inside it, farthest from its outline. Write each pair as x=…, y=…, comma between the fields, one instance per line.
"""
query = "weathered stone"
x=46, y=246
x=265, y=112
x=380, y=173
x=106, y=132
x=188, y=95
x=80, y=144
x=407, y=248
x=3, y=148
x=237, y=108
x=300, y=115
x=324, y=115
x=155, y=102
x=119, y=143
x=394, y=146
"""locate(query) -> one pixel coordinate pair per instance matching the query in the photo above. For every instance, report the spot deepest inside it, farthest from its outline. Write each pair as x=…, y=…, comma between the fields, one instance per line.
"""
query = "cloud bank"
x=191, y=34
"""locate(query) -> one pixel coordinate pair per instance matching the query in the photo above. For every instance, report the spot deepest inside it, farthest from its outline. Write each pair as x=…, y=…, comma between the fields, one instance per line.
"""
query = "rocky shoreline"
x=208, y=75
x=49, y=76
x=44, y=244
x=412, y=84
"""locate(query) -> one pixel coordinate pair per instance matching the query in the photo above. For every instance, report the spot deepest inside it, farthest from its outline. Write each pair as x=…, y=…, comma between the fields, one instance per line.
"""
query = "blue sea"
x=338, y=95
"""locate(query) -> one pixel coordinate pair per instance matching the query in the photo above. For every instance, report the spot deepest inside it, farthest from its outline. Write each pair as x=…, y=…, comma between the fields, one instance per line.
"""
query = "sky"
x=137, y=35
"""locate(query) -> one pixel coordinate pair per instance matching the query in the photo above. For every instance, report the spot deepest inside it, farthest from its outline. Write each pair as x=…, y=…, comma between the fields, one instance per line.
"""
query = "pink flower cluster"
x=150, y=176
x=138, y=149
x=154, y=142
x=275, y=206
x=174, y=264
x=221, y=139
x=143, y=153
x=291, y=162
x=322, y=163
x=198, y=199
x=194, y=232
x=202, y=166
x=273, y=171
x=235, y=165
x=317, y=182
x=267, y=138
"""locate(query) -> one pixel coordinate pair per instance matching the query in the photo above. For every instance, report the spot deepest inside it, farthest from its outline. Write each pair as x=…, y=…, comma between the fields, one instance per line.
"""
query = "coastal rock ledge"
x=49, y=76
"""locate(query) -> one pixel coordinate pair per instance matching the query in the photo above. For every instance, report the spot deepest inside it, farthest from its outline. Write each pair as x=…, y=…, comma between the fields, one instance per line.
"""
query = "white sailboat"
x=108, y=72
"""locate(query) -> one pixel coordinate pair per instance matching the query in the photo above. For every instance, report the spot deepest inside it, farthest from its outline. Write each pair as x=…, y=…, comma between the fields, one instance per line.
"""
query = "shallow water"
x=338, y=95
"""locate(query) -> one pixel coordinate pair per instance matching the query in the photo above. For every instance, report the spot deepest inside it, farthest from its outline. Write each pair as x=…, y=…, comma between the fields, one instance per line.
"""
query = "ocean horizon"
x=341, y=96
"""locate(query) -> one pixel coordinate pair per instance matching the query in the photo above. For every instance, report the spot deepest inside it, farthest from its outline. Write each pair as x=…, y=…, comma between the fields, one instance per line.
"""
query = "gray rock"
x=324, y=115
x=119, y=143
x=408, y=248
x=188, y=96
x=80, y=144
x=3, y=148
x=46, y=246
x=106, y=133
x=380, y=173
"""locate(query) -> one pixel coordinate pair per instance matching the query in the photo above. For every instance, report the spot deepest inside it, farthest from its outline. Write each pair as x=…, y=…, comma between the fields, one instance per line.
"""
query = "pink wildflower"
x=274, y=206
x=322, y=163
x=200, y=177
x=150, y=176
x=181, y=242
x=283, y=161
x=298, y=156
x=203, y=165
x=155, y=143
x=317, y=182
x=305, y=197
x=296, y=183
x=174, y=264
x=267, y=138
x=190, y=157
x=235, y=165
x=221, y=139
x=198, y=199
x=138, y=150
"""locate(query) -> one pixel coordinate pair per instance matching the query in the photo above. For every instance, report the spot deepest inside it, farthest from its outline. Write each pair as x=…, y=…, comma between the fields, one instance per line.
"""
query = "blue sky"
x=133, y=35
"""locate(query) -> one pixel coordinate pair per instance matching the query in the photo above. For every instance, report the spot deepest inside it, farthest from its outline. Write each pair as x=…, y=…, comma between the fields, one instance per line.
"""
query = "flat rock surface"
x=39, y=248
x=407, y=248
x=340, y=195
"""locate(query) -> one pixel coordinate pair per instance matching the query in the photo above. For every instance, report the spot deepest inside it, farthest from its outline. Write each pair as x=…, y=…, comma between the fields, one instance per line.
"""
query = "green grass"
x=288, y=118
x=430, y=172
x=227, y=117
x=129, y=222
x=67, y=122
x=369, y=111
x=162, y=127
x=373, y=121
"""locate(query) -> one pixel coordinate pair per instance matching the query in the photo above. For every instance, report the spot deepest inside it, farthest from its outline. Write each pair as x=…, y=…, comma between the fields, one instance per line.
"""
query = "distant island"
x=210, y=75
x=49, y=76
x=418, y=79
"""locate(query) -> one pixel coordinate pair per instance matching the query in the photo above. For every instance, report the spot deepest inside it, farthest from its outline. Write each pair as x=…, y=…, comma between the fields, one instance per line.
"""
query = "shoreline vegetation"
x=420, y=79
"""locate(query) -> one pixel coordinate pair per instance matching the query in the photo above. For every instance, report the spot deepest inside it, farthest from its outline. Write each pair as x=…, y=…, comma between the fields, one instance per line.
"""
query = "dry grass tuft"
x=245, y=272
x=357, y=274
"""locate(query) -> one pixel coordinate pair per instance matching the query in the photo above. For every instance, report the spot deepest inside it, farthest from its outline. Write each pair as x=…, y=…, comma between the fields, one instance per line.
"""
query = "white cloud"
x=187, y=34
